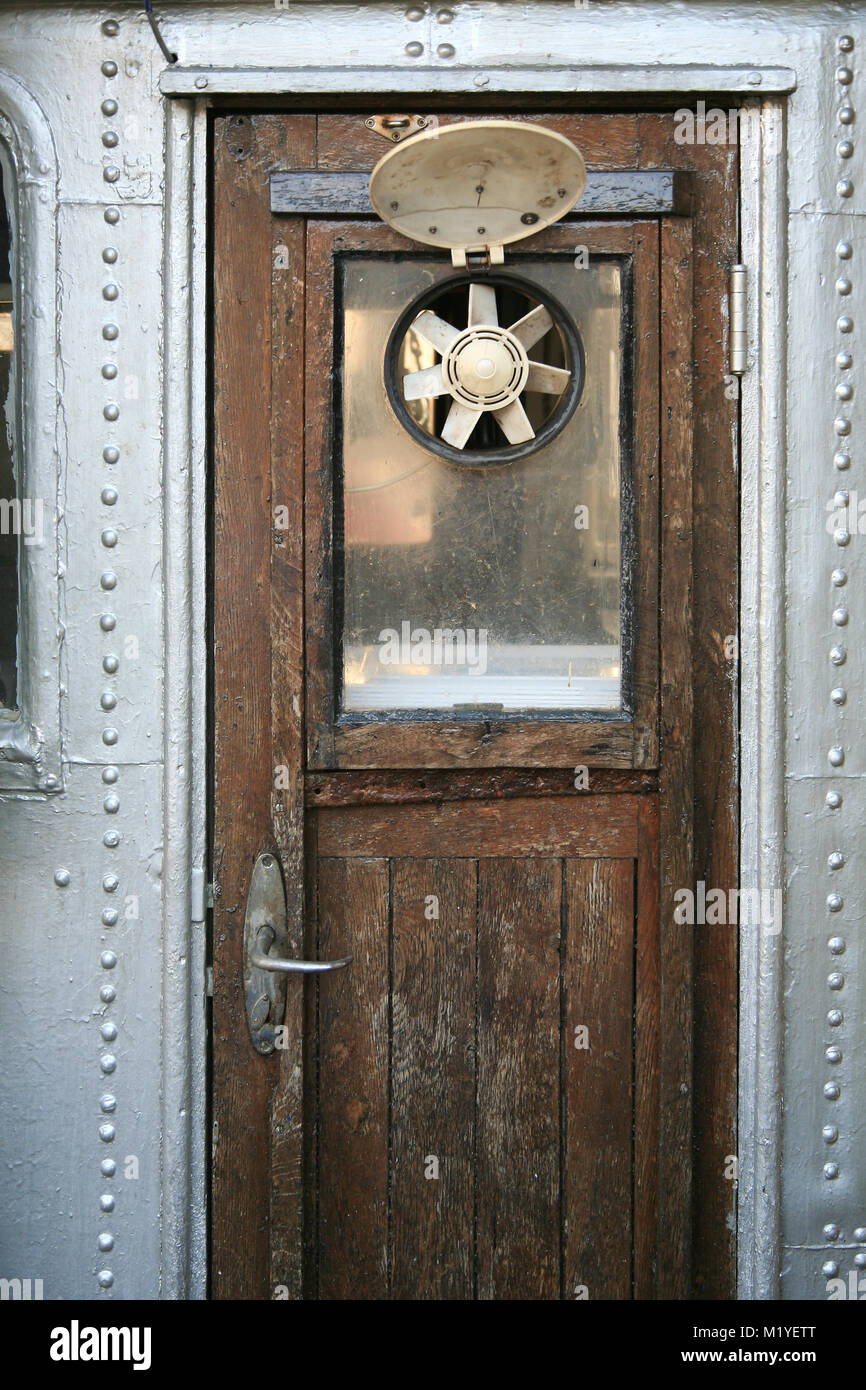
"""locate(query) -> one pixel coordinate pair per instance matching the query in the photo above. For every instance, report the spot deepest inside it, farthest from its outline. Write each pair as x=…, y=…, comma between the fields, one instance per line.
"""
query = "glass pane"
x=10, y=508
x=480, y=588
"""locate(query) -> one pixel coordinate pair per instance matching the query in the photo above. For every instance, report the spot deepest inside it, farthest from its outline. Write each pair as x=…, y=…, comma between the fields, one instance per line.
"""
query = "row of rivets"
x=414, y=49
x=844, y=394
x=108, y=699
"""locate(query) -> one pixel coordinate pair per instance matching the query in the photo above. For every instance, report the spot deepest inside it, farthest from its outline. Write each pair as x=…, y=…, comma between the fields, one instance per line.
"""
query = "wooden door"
x=495, y=1100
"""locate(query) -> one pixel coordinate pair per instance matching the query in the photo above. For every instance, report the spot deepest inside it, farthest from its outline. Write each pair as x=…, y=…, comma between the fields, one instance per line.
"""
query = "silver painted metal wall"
x=102, y=979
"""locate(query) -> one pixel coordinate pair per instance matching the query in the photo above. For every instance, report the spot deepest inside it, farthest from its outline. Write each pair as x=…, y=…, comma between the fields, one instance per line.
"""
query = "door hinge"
x=208, y=981
x=200, y=896
x=737, y=305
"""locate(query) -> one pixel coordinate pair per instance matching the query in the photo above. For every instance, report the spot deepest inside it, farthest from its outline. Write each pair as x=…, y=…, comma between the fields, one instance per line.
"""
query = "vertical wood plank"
x=287, y=755
x=676, y=786
x=518, y=1220
x=354, y=909
x=644, y=598
x=433, y=1087
x=597, y=1080
x=242, y=1080
x=646, y=1082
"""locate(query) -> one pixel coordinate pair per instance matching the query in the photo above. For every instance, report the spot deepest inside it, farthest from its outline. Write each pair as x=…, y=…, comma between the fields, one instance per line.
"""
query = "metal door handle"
x=262, y=961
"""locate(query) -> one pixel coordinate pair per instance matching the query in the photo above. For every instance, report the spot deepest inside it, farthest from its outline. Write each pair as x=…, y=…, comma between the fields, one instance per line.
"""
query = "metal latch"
x=739, y=332
x=396, y=128
x=265, y=973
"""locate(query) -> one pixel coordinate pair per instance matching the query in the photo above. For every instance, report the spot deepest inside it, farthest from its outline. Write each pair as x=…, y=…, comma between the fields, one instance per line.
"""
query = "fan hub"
x=485, y=367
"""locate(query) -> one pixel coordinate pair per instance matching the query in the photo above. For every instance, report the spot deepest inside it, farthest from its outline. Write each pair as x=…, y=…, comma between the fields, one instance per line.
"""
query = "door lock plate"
x=265, y=990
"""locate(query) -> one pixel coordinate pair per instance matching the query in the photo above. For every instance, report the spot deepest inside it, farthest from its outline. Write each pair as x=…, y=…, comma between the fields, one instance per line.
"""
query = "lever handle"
x=262, y=961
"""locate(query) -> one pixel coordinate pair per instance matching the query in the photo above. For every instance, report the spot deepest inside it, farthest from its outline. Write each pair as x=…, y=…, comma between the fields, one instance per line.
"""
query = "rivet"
x=845, y=324
x=833, y=1054
x=108, y=994
x=836, y=860
x=843, y=285
x=839, y=578
x=109, y=68
x=844, y=361
x=109, y=371
x=832, y=1090
x=835, y=902
x=845, y=43
x=110, y=291
x=844, y=391
x=112, y=216
x=841, y=425
x=444, y=16
x=110, y=28
x=860, y=1260
x=836, y=944
x=111, y=174
x=108, y=622
x=836, y=980
x=109, y=737
x=49, y=783
x=108, y=1063
x=109, y=496
x=844, y=250
x=109, y=255
x=414, y=14
x=829, y=1269
x=109, y=1031
x=845, y=149
x=109, y=538
x=846, y=115
x=111, y=883
x=838, y=695
x=838, y=656
x=414, y=49
x=110, y=139
x=108, y=580
x=106, y=1202
x=844, y=76
x=831, y=1171
x=860, y=1234
x=835, y=1017
x=836, y=756
x=105, y=1278
x=446, y=50
x=108, y=1167
x=109, y=774
x=107, y=1133
x=111, y=805
x=845, y=188
x=840, y=616
x=201, y=82
x=109, y=107
x=62, y=878
x=110, y=665
x=841, y=498
x=111, y=839
x=831, y=1232
x=108, y=960
x=111, y=411
x=833, y=800
x=754, y=79
x=105, y=1241
x=110, y=332
x=108, y=699
x=841, y=536
x=108, y=1104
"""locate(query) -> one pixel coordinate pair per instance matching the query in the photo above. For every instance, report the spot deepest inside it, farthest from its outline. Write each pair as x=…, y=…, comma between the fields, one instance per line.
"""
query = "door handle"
x=266, y=958
x=262, y=961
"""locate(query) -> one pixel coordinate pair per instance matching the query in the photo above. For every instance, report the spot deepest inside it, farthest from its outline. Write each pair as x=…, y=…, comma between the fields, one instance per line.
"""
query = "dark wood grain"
x=400, y=787
x=646, y=1052
x=499, y=829
x=353, y=1081
x=433, y=1079
x=597, y=1080
x=518, y=1079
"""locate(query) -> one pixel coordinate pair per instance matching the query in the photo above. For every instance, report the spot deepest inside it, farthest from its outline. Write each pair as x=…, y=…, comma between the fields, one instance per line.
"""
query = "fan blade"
x=428, y=382
x=435, y=331
x=482, y=305
x=514, y=422
x=532, y=326
x=551, y=380
x=460, y=424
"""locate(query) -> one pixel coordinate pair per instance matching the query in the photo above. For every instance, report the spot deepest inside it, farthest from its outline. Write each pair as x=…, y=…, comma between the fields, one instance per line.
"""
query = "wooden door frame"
x=261, y=591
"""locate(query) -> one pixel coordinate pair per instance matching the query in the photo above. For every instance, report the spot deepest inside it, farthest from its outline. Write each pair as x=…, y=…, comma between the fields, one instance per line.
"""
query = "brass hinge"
x=737, y=303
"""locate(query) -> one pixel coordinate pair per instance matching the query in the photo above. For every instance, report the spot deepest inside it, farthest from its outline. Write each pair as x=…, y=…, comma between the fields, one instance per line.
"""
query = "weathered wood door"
x=500, y=1097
